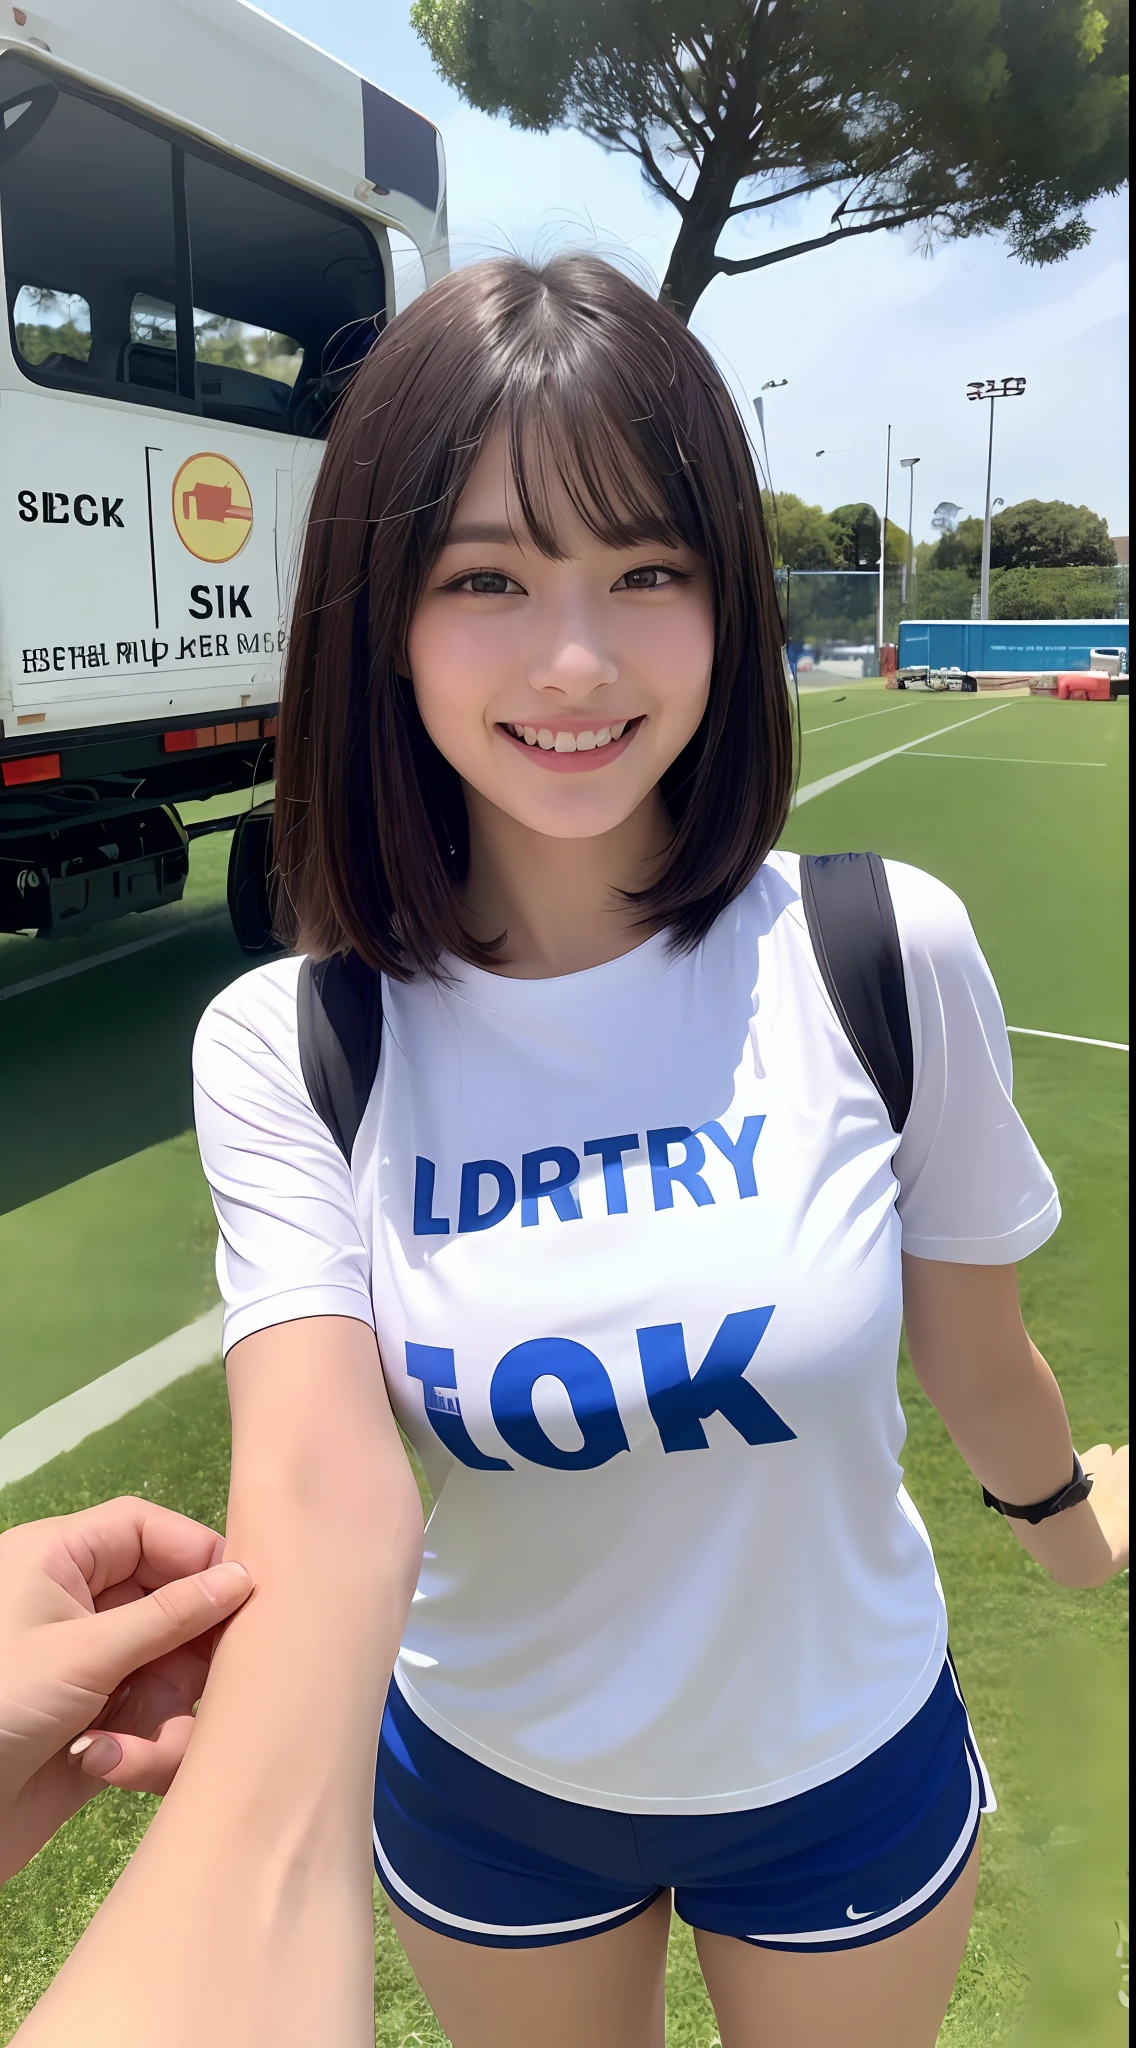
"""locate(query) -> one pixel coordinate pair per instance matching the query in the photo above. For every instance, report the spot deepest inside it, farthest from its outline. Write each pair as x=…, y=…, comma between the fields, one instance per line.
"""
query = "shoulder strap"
x=851, y=921
x=339, y=1017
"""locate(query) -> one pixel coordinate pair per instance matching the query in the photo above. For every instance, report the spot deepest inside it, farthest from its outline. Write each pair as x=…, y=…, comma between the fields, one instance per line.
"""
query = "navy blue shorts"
x=482, y=1858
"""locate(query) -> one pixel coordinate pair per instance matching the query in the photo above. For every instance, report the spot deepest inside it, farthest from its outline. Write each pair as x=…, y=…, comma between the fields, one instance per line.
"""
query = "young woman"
x=623, y=1246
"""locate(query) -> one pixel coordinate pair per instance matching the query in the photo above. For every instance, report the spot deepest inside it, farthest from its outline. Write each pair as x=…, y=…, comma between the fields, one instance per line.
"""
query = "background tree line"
x=1048, y=559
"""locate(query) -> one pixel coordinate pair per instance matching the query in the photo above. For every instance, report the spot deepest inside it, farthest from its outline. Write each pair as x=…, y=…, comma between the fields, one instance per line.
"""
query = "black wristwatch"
x=1079, y=1488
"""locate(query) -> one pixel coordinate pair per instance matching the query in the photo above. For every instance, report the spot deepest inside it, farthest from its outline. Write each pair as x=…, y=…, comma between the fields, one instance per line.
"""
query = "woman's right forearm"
x=245, y=1915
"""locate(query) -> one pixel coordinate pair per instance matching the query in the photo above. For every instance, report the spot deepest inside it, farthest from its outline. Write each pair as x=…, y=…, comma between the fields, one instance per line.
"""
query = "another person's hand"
x=108, y=1619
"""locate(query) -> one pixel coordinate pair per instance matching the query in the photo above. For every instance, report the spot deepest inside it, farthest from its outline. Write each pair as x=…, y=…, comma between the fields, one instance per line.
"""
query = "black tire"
x=249, y=888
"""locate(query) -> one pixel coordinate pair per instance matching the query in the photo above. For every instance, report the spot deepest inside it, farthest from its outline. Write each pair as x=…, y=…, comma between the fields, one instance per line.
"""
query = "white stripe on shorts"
x=990, y=1804
x=854, y=1930
x=427, y=1906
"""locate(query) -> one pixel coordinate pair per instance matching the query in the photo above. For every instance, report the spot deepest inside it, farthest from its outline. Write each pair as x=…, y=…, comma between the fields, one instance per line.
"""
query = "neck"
x=558, y=901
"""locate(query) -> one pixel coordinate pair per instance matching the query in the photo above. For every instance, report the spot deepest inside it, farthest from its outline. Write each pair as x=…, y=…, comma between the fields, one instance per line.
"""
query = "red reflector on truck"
x=269, y=728
x=178, y=742
x=33, y=768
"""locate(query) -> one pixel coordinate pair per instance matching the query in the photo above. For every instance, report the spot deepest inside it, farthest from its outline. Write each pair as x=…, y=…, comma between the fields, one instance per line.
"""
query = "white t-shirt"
x=630, y=1241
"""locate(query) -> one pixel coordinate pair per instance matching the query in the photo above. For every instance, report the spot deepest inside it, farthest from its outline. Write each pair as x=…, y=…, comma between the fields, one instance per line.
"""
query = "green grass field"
x=106, y=1246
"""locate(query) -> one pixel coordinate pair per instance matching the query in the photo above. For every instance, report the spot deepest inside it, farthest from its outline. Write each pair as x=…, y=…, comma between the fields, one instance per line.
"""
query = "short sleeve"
x=973, y=1187
x=290, y=1243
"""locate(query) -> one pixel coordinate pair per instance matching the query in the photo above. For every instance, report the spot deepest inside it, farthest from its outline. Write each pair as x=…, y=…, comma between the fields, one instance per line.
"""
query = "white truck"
x=196, y=209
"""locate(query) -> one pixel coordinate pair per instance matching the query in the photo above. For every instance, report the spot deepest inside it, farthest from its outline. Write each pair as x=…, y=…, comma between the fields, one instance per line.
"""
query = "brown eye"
x=650, y=578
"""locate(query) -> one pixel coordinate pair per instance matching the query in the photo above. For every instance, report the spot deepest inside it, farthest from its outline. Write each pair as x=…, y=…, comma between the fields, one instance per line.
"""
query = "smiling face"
x=560, y=690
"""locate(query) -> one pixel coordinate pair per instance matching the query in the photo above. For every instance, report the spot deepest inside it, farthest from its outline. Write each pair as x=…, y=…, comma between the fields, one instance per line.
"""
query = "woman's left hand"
x=1109, y=1497
x=107, y=1623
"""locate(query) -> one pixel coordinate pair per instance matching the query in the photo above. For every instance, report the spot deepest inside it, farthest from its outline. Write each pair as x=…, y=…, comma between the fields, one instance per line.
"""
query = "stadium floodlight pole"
x=908, y=463
x=883, y=548
x=981, y=388
x=770, y=384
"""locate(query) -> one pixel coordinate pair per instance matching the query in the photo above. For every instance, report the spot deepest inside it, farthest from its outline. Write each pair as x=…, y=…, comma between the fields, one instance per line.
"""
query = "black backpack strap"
x=851, y=921
x=339, y=1018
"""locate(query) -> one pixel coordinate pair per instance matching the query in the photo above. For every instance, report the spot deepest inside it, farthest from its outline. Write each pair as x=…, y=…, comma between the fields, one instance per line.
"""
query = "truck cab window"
x=287, y=293
x=143, y=266
x=51, y=325
x=86, y=202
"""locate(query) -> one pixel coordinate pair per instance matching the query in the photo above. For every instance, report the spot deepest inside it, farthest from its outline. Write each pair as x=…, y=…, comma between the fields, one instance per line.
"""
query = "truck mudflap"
x=59, y=883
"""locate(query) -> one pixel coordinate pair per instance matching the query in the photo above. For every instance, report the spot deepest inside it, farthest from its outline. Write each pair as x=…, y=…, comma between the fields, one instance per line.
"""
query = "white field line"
x=170, y=931
x=827, y=782
x=807, y=731
x=66, y=1423
x=1068, y=1038
x=1012, y=760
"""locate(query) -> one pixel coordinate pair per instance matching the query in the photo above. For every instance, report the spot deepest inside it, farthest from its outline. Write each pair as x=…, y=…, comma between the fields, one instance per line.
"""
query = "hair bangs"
x=620, y=471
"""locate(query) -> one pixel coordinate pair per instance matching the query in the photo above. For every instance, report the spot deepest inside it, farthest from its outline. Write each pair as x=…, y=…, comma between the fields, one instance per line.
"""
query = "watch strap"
x=1078, y=1489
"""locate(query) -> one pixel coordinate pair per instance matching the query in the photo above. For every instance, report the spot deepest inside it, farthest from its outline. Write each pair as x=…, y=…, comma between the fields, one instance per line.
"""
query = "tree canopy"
x=856, y=536
x=961, y=549
x=1049, y=535
x=1006, y=116
x=805, y=537
x=1035, y=534
x=801, y=533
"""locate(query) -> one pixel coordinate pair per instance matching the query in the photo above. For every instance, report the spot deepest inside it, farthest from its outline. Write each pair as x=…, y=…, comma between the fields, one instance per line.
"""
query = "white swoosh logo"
x=854, y=1915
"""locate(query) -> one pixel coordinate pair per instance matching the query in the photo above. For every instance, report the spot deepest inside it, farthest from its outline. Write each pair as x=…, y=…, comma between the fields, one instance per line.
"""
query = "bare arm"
x=245, y=1917
x=1003, y=1408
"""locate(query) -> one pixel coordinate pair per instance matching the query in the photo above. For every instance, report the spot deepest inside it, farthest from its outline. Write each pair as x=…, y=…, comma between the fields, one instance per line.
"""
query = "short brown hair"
x=600, y=387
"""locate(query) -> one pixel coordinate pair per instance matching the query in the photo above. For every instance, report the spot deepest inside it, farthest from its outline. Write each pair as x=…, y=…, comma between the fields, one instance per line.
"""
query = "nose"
x=574, y=663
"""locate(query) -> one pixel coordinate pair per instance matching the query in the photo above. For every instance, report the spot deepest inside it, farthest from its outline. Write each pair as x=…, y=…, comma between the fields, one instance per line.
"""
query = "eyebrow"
x=485, y=530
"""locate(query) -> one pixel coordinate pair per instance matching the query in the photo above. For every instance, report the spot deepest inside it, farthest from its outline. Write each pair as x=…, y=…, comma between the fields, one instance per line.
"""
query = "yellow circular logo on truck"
x=212, y=507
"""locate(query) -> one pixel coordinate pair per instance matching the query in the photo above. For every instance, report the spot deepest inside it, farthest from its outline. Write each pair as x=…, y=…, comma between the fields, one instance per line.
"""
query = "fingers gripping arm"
x=245, y=1916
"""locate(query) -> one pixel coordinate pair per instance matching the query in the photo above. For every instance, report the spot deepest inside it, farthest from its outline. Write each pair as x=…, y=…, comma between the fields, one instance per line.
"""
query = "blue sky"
x=868, y=334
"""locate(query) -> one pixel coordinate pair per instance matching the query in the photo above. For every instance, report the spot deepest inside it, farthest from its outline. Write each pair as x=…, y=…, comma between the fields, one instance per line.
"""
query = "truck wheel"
x=249, y=889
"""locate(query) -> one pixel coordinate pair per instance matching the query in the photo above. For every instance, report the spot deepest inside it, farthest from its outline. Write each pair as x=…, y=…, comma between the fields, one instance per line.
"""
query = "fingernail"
x=223, y=1582
x=102, y=1754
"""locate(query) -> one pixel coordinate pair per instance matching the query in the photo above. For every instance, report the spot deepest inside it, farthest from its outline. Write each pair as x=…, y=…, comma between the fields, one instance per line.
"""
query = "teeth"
x=569, y=742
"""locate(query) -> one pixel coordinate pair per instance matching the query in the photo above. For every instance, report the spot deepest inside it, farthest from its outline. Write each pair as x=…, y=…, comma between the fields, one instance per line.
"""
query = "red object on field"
x=1088, y=684
x=888, y=658
x=32, y=768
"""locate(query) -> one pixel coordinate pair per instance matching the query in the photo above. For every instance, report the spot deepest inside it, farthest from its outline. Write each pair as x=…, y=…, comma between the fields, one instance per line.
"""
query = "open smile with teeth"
x=562, y=742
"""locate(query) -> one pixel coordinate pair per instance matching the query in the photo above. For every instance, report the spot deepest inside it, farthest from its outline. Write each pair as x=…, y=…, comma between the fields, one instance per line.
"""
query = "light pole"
x=883, y=549
x=908, y=463
x=771, y=384
x=987, y=388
